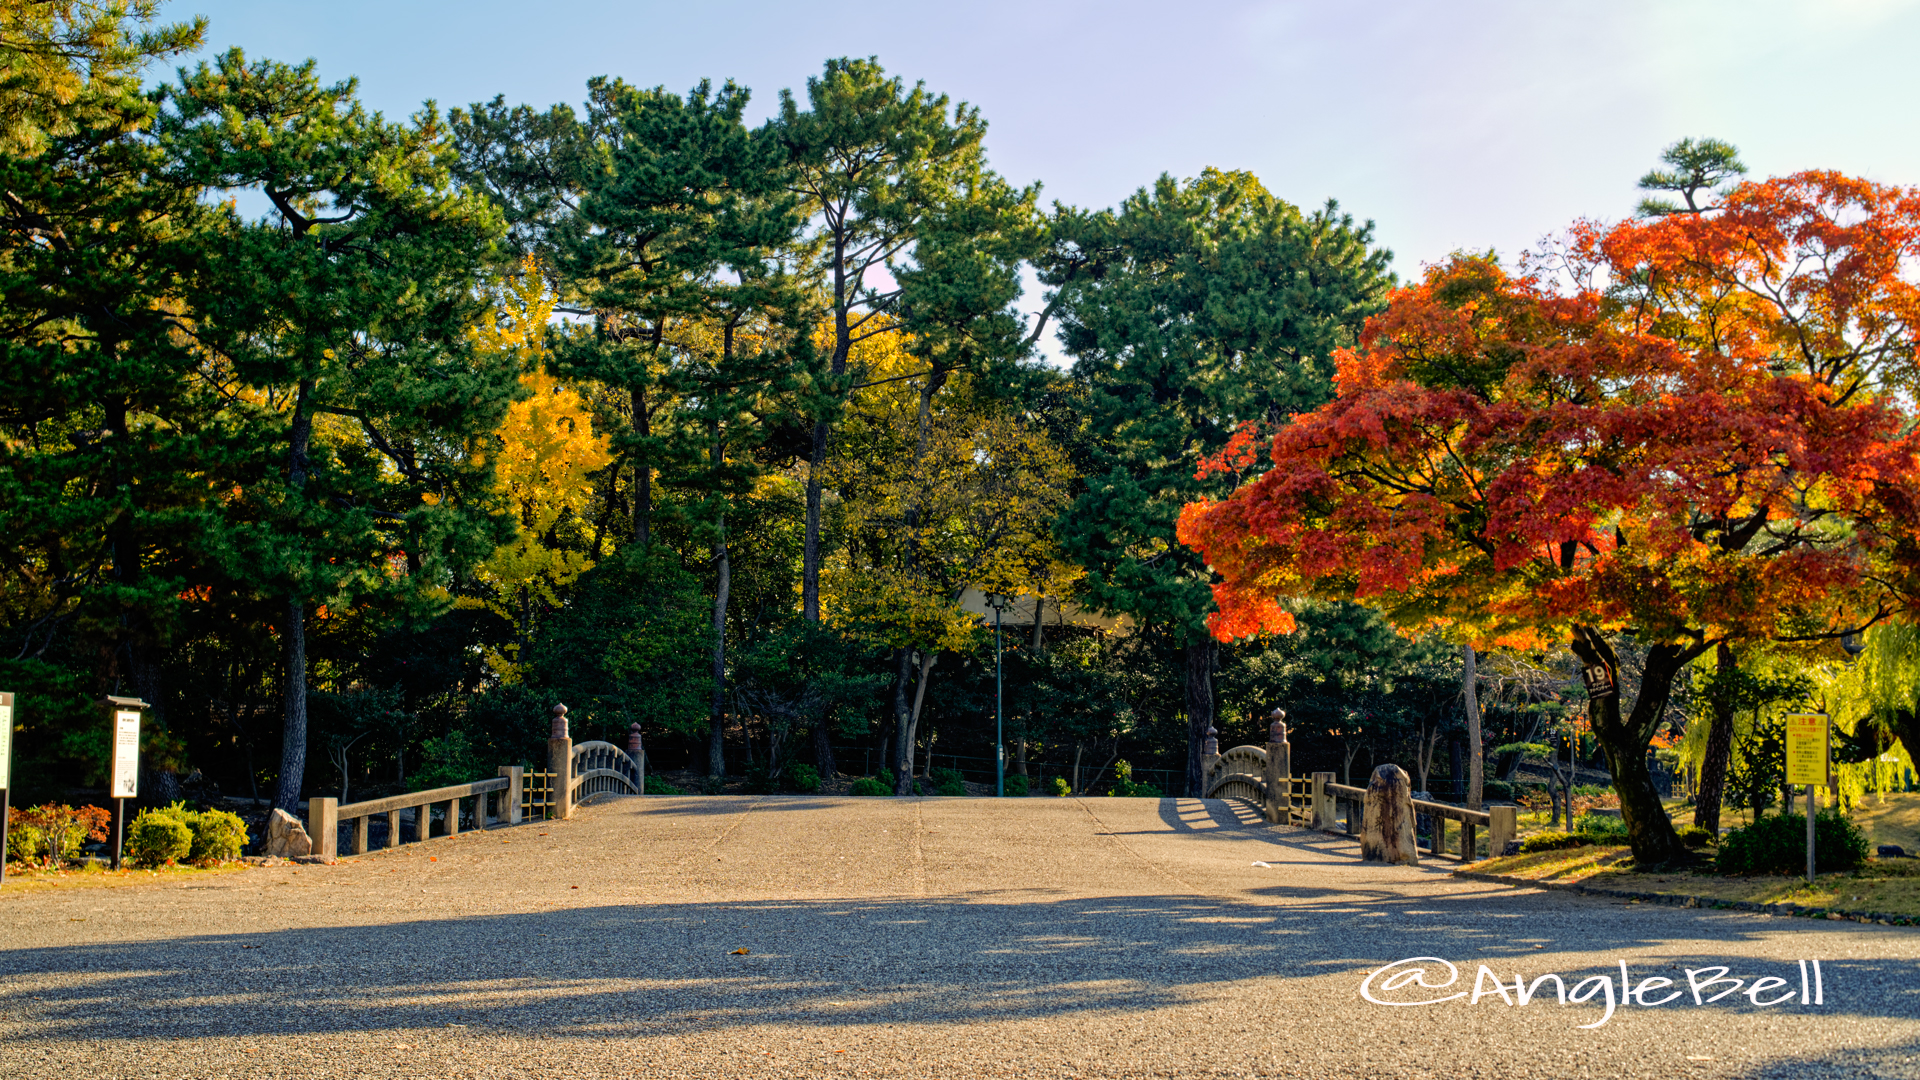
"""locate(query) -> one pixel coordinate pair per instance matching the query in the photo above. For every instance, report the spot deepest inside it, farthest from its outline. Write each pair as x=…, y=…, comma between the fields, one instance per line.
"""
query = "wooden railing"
x=573, y=773
x=324, y=815
x=1329, y=798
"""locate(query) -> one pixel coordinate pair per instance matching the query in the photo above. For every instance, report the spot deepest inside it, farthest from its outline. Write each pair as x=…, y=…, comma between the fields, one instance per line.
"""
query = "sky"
x=1465, y=124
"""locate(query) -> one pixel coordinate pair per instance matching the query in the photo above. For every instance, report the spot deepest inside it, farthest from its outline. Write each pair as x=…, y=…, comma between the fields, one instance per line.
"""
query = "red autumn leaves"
x=1696, y=426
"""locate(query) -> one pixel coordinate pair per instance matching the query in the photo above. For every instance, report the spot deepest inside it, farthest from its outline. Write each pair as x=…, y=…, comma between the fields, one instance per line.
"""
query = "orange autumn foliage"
x=1696, y=426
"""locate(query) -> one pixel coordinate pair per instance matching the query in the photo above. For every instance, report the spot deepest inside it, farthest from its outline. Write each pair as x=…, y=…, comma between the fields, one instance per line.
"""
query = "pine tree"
x=1214, y=305
x=339, y=325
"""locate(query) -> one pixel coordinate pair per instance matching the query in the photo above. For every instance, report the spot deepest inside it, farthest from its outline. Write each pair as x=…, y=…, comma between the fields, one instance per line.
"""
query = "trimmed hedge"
x=1777, y=844
x=158, y=837
x=1553, y=841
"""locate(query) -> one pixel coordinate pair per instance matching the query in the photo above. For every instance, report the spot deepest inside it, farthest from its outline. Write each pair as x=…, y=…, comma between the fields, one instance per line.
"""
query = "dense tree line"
x=352, y=444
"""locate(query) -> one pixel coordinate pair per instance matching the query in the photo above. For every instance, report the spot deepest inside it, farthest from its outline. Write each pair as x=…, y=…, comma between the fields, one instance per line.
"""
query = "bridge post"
x=323, y=825
x=560, y=763
x=1503, y=829
x=515, y=774
x=1209, y=759
x=1279, y=776
x=637, y=751
x=1323, y=816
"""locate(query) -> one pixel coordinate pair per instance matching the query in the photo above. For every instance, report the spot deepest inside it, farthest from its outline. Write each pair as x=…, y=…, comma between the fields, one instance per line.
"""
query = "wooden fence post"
x=1323, y=816
x=1503, y=830
x=560, y=764
x=1388, y=832
x=1279, y=770
x=323, y=826
x=515, y=777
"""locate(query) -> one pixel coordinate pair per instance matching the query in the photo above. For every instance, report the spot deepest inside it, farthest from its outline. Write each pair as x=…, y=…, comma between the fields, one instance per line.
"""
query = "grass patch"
x=94, y=876
x=1884, y=888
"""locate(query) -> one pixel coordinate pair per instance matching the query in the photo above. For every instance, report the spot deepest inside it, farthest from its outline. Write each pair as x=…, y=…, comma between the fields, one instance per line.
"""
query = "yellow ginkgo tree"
x=546, y=451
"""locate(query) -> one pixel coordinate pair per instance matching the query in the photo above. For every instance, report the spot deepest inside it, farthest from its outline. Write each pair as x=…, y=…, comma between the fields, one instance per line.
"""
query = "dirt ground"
x=737, y=936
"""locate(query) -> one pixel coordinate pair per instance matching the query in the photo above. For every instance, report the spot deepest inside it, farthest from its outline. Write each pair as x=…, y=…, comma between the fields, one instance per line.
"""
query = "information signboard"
x=6, y=740
x=1807, y=748
x=126, y=754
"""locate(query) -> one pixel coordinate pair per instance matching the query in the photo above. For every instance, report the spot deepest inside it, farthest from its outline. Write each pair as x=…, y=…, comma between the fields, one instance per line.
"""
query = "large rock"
x=1388, y=835
x=286, y=837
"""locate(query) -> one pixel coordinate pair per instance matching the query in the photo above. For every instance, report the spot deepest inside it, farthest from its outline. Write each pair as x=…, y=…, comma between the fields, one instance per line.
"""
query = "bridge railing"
x=574, y=773
x=1262, y=777
x=1344, y=806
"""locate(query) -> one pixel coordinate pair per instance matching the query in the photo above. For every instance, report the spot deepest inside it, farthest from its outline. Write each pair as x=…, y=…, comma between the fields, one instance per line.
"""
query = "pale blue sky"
x=1464, y=123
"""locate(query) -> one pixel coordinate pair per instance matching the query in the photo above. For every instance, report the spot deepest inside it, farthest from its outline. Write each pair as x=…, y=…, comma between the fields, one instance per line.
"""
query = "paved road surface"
x=907, y=937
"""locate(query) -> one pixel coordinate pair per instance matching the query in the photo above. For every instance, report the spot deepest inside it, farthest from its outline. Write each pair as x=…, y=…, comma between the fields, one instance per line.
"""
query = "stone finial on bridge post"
x=1279, y=776
x=1387, y=835
x=560, y=764
x=637, y=751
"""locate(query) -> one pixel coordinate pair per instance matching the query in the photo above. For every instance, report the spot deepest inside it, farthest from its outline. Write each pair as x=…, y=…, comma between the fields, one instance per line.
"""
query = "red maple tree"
x=1692, y=429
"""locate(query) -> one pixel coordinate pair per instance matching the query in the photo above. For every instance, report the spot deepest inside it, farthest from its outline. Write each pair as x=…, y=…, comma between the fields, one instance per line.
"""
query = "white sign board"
x=126, y=754
x=6, y=739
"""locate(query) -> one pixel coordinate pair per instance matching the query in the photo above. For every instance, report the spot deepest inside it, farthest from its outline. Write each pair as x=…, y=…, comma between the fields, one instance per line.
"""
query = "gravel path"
x=907, y=937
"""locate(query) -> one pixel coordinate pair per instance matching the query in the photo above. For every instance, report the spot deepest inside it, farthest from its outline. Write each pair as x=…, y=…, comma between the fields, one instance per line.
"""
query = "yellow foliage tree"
x=547, y=449
x=937, y=494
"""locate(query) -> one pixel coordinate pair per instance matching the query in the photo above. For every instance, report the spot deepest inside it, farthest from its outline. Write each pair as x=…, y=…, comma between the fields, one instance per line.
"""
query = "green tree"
x=338, y=328
x=1215, y=305
x=910, y=232
x=69, y=66
x=627, y=648
x=104, y=431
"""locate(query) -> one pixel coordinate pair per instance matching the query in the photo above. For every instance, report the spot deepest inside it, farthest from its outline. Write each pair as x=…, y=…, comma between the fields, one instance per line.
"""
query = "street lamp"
x=998, y=602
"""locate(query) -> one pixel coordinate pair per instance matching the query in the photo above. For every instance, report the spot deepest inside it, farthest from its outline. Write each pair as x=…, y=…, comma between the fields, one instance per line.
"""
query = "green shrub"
x=1601, y=829
x=1553, y=841
x=1060, y=786
x=1016, y=785
x=803, y=778
x=1777, y=844
x=1496, y=790
x=55, y=831
x=24, y=842
x=867, y=785
x=218, y=836
x=450, y=759
x=657, y=786
x=1124, y=787
x=947, y=782
x=886, y=778
x=713, y=785
x=158, y=837
x=1695, y=836
x=758, y=783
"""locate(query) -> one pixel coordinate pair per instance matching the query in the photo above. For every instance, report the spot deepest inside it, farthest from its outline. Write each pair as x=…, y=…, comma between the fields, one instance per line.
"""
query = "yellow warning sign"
x=1807, y=748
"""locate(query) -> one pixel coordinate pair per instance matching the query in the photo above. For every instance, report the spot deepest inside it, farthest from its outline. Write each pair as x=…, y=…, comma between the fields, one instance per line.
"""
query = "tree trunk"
x=1476, y=751
x=293, y=745
x=1078, y=746
x=717, y=716
x=1625, y=741
x=823, y=749
x=1711, y=791
x=810, y=549
x=1020, y=757
x=1199, y=679
x=922, y=671
x=642, y=473
x=903, y=725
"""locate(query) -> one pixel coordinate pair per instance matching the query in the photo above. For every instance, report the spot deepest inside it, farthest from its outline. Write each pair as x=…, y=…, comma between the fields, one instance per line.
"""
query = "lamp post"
x=998, y=602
